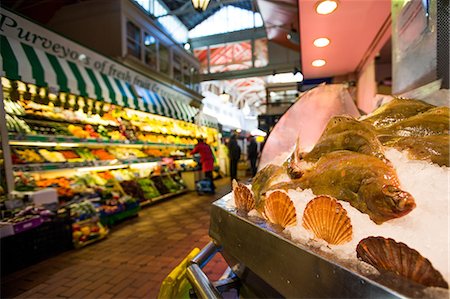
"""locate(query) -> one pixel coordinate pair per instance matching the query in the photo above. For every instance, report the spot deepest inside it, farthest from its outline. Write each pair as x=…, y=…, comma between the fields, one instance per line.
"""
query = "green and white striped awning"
x=22, y=62
x=207, y=121
x=154, y=103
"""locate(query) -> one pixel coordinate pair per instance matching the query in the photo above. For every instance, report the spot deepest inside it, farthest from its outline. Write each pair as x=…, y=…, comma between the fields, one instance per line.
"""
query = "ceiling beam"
x=251, y=72
x=236, y=36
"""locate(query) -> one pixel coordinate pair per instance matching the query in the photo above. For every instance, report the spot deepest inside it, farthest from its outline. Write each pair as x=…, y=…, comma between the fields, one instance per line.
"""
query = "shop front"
x=84, y=138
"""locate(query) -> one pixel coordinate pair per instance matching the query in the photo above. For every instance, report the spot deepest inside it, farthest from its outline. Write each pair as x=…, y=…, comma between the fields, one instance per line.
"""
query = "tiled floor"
x=134, y=259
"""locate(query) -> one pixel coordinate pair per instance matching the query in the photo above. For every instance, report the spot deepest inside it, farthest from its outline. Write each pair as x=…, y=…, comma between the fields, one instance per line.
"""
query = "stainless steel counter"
x=269, y=264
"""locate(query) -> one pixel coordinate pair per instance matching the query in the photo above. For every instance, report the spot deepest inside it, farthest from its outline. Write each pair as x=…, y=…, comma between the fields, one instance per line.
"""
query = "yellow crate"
x=176, y=285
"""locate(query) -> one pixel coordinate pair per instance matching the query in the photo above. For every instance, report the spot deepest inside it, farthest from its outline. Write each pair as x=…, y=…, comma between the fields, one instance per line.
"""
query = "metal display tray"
x=291, y=269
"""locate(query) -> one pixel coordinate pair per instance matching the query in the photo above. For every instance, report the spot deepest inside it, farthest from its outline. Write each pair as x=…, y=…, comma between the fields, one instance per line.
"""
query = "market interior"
x=148, y=148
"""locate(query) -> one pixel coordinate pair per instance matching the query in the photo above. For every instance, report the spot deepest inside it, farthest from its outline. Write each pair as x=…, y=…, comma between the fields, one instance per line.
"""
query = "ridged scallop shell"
x=328, y=220
x=389, y=255
x=243, y=197
x=279, y=209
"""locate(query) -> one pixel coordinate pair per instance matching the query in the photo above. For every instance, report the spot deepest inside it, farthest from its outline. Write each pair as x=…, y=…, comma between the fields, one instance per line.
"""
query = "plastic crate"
x=6, y=229
x=36, y=244
x=27, y=224
x=112, y=219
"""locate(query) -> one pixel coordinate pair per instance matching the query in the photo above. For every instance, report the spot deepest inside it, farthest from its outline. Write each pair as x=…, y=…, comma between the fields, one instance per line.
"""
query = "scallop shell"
x=279, y=209
x=243, y=197
x=328, y=220
x=388, y=255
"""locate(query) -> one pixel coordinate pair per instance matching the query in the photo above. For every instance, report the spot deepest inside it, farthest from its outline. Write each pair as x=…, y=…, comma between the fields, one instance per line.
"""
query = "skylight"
x=175, y=27
x=153, y=7
x=171, y=23
x=227, y=19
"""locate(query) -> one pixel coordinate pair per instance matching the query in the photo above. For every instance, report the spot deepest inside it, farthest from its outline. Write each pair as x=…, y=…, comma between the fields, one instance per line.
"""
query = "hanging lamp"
x=200, y=5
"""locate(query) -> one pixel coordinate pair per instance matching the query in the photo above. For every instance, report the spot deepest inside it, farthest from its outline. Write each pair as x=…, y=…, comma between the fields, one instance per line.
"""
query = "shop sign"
x=27, y=32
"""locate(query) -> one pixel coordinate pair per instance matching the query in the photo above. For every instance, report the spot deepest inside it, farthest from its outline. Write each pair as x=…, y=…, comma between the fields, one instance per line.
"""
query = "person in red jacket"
x=206, y=158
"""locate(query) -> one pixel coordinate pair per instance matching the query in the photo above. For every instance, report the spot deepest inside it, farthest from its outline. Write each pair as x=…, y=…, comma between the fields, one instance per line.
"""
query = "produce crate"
x=112, y=219
x=83, y=232
x=36, y=244
x=27, y=224
x=6, y=229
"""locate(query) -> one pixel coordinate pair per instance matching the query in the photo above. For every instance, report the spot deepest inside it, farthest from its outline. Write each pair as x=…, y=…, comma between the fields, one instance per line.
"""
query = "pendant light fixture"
x=200, y=5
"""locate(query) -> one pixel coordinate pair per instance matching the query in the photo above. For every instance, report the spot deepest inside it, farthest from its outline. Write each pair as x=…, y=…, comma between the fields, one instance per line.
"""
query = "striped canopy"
x=22, y=62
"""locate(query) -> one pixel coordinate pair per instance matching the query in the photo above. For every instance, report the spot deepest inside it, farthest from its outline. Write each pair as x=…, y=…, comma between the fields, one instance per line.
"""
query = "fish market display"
x=328, y=220
x=366, y=182
x=243, y=197
x=388, y=255
x=341, y=133
x=433, y=148
x=435, y=121
x=279, y=209
x=385, y=175
x=395, y=111
x=262, y=181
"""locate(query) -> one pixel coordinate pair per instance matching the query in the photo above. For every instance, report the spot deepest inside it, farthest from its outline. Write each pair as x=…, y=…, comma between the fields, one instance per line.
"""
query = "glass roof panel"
x=227, y=19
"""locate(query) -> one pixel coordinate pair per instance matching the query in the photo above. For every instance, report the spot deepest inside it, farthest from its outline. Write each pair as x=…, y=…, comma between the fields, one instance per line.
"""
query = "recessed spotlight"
x=321, y=42
x=318, y=62
x=187, y=46
x=326, y=7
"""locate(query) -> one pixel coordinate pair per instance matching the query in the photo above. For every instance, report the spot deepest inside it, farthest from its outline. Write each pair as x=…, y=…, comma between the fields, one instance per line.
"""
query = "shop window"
x=133, y=40
x=177, y=74
x=151, y=51
x=187, y=80
x=164, y=59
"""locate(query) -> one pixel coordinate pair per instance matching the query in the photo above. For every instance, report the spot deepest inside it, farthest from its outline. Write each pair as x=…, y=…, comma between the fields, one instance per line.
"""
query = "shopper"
x=206, y=159
x=235, y=153
x=252, y=154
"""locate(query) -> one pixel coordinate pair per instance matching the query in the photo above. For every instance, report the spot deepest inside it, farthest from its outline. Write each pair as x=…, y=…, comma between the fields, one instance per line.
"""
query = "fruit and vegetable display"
x=127, y=153
x=24, y=182
x=159, y=184
x=26, y=155
x=85, y=154
x=71, y=156
x=88, y=119
x=148, y=188
x=171, y=184
x=84, y=233
x=17, y=125
x=52, y=156
x=63, y=186
x=102, y=154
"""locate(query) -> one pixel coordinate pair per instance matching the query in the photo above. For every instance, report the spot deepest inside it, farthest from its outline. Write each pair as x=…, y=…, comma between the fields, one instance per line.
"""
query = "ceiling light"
x=225, y=97
x=187, y=46
x=326, y=7
x=200, y=5
x=321, y=42
x=286, y=78
x=318, y=62
x=293, y=36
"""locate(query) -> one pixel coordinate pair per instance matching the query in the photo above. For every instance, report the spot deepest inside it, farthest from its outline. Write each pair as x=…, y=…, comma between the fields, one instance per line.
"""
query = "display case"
x=306, y=227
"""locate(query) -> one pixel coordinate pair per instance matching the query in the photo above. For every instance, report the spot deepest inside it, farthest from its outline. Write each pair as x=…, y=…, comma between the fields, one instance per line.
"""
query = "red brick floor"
x=132, y=261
